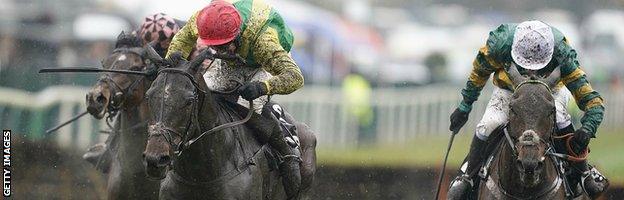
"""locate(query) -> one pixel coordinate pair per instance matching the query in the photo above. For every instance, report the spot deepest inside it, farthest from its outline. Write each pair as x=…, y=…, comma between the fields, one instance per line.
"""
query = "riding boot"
x=591, y=181
x=463, y=183
x=289, y=159
x=97, y=156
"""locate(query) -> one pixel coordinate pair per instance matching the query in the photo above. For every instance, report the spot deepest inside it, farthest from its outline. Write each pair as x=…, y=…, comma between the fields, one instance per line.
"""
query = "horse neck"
x=212, y=156
x=509, y=176
x=132, y=136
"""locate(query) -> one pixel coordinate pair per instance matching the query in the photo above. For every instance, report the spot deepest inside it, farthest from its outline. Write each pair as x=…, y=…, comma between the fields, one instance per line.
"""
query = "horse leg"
x=308, y=155
x=114, y=181
x=307, y=138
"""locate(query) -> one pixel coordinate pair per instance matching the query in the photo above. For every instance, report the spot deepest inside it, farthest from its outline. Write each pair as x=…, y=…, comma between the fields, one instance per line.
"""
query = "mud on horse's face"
x=173, y=100
x=531, y=122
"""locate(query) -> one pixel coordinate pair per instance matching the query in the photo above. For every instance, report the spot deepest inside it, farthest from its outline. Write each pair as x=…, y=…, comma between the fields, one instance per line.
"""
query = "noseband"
x=550, y=151
x=509, y=138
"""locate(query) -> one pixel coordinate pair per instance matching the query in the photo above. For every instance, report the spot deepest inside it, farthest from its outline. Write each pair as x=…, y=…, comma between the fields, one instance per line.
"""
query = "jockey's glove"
x=580, y=140
x=458, y=119
x=253, y=90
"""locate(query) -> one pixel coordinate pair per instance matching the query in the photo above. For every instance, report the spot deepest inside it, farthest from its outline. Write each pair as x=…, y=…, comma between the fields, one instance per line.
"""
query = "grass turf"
x=607, y=154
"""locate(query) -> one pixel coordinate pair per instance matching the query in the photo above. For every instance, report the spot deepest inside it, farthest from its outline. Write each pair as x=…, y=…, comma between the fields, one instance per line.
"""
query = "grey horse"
x=228, y=163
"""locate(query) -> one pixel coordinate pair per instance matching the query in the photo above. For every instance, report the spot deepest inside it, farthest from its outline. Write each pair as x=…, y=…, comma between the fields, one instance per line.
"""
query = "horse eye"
x=189, y=101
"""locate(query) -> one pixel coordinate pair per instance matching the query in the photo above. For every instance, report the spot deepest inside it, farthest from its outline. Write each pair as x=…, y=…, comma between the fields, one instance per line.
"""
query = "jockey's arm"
x=481, y=71
x=483, y=66
x=268, y=52
x=586, y=97
x=185, y=39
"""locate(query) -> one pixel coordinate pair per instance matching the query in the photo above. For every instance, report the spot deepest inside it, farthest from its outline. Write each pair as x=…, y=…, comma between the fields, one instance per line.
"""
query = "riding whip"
x=448, y=150
x=67, y=122
x=90, y=69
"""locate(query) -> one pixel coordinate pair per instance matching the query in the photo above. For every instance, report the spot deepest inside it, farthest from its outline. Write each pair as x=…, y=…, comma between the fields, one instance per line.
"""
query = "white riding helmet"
x=533, y=45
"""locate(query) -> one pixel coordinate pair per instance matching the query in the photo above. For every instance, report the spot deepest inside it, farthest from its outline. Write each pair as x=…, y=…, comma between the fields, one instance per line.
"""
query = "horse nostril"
x=100, y=98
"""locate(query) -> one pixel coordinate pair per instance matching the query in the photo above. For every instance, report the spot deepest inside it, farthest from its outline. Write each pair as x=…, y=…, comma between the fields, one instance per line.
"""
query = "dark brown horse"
x=522, y=167
x=227, y=164
x=121, y=96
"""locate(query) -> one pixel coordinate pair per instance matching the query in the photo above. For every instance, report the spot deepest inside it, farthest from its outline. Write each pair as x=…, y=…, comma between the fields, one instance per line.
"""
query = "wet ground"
x=43, y=171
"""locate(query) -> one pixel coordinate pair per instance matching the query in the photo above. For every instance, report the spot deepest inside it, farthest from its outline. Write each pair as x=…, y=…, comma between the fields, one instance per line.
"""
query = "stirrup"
x=459, y=188
x=595, y=176
x=462, y=178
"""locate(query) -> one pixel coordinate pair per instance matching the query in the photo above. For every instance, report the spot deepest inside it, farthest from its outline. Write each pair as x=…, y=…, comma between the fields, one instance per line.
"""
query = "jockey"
x=538, y=48
x=254, y=31
x=160, y=29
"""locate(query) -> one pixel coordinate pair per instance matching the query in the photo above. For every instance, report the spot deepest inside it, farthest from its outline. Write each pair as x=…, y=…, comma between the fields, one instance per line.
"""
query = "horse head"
x=531, y=122
x=114, y=90
x=175, y=100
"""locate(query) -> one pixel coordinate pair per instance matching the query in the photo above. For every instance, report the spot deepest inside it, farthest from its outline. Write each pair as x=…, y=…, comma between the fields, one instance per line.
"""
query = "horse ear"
x=197, y=61
x=121, y=35
x=514, y=74
x=553, y=78
x=151, y=54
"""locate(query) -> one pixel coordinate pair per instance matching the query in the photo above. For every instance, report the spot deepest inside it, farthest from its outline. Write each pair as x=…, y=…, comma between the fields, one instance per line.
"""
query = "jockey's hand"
x=458, y=119
x=252, y=90
x=580, y=140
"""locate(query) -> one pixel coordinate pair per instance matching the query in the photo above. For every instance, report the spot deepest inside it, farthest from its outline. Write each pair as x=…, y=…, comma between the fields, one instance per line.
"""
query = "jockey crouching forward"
x=537, y=48
x=254, y=31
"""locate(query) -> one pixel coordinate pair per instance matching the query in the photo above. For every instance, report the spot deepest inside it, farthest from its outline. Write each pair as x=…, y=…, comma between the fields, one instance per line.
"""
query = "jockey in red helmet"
x=254, y=31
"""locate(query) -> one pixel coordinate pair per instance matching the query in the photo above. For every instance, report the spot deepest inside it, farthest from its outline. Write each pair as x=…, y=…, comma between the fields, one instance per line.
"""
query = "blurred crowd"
x=396, y=44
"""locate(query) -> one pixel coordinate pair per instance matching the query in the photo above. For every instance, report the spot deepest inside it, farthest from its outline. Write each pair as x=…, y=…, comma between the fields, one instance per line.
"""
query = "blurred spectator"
x=357, y=96
x=436, y=63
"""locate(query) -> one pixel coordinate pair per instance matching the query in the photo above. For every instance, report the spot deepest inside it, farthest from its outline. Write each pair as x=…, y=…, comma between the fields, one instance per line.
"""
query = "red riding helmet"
x=218, y=23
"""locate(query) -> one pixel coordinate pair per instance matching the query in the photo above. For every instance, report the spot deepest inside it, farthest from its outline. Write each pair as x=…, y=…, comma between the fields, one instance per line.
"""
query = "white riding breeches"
x=497, y=111
x=223, y=77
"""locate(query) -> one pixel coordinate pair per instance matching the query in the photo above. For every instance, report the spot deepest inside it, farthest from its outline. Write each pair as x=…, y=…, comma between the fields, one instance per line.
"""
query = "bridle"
x=550, y=151
x=121, y=95
x=193, y=123
x=509, y=139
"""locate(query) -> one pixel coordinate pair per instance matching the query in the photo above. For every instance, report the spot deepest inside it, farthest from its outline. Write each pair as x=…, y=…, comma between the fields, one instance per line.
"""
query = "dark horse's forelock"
x=129, y=40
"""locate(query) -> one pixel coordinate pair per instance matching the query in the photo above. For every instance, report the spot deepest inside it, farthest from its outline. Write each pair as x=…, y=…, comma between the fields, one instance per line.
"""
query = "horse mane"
x=129, y=40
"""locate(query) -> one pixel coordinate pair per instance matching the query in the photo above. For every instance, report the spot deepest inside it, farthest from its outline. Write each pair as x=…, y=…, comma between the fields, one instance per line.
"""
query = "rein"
x=549, y=152
x=554, y=186
x=574, y=157
x=194, y=114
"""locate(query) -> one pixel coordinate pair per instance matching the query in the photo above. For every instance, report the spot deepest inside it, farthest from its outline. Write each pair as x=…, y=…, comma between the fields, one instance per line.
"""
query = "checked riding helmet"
x=218, y=23
x=533, y=45
x=158, y=28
